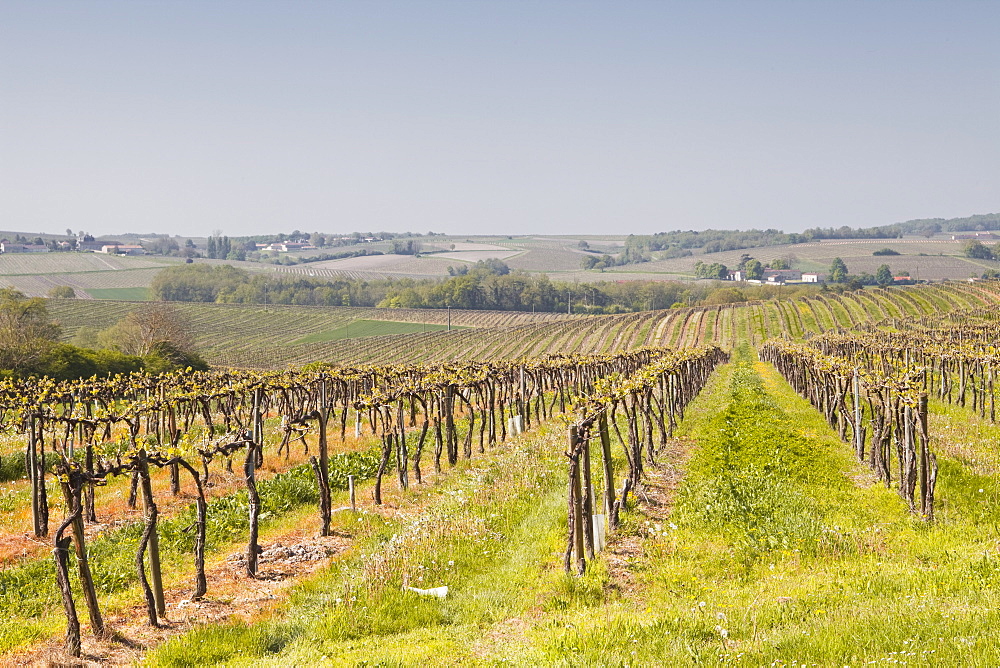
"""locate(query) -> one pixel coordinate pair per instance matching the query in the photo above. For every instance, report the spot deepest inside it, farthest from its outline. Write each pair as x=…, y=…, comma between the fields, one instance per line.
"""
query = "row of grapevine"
x=882, y=412
x=126, y=426
x=239, y=335
x=651, y=402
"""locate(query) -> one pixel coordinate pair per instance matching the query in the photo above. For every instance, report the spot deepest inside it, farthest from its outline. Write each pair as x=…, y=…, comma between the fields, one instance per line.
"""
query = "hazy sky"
x=489, y=117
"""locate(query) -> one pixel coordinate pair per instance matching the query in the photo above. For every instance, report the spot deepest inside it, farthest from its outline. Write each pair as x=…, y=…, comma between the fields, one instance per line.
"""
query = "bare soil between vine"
x=654, y=502
x=232, y=595
x=288, y=557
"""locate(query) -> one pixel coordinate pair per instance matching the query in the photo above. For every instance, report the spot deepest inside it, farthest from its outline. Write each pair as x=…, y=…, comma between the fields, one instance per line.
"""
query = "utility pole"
x=449, y=317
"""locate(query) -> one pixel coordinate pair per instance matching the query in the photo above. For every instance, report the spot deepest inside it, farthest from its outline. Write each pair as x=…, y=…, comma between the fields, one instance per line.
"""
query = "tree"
x=725, y=296
x=147, y=329
x=26, y=332
x=62, y=292
x=408, y=247
x=883, y=276
x=493, y=265
x=714, y=270
x=931, y=230
x=976, y=250
x=838, y=271
x=196, y=283
x=754, y=270
x=161, y=246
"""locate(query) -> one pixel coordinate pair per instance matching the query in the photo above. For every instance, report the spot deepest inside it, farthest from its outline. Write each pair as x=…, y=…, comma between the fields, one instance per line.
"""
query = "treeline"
x=680, y=243
x=979, y=251
x=840, y=275
x=152, y=339
x=486, y=286
x=638, y=248
x=978, y=223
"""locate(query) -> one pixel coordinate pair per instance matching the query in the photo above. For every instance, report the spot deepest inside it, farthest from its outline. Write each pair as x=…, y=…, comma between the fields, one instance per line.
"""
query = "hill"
x=278, y=336
x=97, y=276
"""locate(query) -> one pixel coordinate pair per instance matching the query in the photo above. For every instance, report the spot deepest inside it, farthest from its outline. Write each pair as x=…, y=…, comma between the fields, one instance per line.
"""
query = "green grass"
x=30, y=602
x=360, y=328
x=488, y=533
x=124, y=294
x=777, y=556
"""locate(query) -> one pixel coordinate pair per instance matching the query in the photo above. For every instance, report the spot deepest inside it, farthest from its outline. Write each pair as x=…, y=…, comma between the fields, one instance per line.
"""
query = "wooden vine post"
x=72, y=483
x=609, y=477
x=859, y=430
x=575, y=542
x=322, y=467
x=402, y=456
x=587, y=506
x=35, y=461
x=928, y=464
x=60, y=552
x=153, y=588
x=253, y=498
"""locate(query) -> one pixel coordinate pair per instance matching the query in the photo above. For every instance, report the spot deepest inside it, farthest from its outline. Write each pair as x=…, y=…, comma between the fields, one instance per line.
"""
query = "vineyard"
x=255, y=337
x=808, y=480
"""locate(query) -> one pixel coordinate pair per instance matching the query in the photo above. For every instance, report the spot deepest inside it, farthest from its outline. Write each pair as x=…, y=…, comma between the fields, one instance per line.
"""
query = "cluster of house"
x=7, y=247
x=110, y=247
x=988, y=236
x=286, y=246
x=778, y=277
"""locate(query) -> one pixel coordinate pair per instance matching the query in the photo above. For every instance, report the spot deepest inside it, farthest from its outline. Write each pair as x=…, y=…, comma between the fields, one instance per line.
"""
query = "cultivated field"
x=273, y=338
x=931, y=260
x=103, y=277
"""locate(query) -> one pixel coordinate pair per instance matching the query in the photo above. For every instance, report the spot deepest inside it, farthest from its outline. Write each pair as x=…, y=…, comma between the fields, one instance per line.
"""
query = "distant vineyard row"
x=243, y=336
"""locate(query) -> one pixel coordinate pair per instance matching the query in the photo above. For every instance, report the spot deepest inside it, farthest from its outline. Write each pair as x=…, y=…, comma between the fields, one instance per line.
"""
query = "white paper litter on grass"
x=440, y=592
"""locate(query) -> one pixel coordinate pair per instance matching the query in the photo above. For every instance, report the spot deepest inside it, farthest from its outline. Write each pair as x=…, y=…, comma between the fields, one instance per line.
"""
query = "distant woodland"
x=487, y=285
x=642, y=248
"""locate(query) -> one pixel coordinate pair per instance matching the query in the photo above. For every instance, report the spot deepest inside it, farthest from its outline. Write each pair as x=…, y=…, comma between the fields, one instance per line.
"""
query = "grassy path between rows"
x=30, y=604
x=782, y=551
x=779, y=550
x=488, y=532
